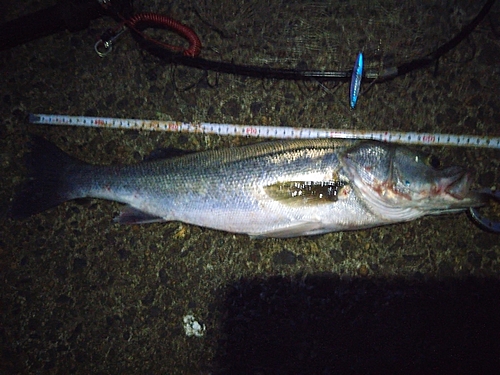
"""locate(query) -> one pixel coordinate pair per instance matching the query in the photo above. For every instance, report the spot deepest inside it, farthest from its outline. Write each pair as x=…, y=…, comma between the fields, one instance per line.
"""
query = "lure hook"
x=482, y=221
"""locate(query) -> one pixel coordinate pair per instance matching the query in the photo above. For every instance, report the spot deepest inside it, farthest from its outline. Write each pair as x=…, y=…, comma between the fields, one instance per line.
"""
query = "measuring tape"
x=281, y=132
x=287, y=133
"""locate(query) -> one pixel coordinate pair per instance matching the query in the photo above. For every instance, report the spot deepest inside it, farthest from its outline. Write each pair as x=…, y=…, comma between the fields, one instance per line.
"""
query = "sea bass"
x=272, y=189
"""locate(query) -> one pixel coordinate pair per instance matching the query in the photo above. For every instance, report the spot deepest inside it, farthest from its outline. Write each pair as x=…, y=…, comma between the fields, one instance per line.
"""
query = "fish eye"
x=433, y=161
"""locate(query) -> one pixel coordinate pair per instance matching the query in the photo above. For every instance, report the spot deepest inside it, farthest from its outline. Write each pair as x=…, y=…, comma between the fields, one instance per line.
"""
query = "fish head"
x=402, y=184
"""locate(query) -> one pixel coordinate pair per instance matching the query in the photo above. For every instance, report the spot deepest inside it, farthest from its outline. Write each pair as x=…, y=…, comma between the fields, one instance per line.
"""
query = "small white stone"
x=192, y=327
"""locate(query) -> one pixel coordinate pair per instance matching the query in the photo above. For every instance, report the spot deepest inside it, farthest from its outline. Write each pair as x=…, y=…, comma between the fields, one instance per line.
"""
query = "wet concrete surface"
x=81, y=294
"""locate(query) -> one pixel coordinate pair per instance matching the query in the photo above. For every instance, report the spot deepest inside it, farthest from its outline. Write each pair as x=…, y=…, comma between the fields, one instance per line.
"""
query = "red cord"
x=183, y=30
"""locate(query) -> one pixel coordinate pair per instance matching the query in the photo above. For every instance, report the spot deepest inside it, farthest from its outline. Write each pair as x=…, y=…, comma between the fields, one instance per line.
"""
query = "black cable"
x=448, y=46
x=294, y=74
x=71, y=15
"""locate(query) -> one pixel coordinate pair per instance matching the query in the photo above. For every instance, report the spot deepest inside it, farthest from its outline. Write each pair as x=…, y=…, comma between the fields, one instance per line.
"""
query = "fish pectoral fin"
x=299, y=228
x=131, y=215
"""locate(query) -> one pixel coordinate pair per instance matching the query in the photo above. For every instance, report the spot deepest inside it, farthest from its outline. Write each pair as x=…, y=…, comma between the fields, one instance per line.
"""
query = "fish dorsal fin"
x=305, y=192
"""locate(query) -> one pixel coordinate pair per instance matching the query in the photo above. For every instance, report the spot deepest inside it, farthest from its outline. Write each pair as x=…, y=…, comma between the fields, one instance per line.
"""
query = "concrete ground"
x=81, y=294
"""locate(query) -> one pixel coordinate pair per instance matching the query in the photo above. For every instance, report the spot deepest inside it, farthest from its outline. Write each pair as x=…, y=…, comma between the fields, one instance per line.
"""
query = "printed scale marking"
x=279, y=132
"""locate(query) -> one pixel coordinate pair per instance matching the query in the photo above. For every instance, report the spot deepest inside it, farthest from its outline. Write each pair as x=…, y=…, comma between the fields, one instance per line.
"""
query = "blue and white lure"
x=357, y=74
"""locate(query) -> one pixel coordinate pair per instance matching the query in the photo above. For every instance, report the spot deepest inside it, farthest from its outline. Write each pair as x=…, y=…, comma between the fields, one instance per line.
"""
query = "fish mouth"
x=457, y=183
x=458, y=186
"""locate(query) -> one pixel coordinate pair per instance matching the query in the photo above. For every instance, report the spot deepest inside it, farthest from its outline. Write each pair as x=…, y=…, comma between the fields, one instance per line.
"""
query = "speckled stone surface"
x=80, y=294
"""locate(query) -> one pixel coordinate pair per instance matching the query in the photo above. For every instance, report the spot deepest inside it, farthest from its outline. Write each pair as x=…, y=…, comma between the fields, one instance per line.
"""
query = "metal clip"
x=105, y=45
x=481, y=221
x=104, y=3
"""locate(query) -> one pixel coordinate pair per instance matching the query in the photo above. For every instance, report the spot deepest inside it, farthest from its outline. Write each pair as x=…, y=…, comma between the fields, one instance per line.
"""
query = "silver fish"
x=273, y=189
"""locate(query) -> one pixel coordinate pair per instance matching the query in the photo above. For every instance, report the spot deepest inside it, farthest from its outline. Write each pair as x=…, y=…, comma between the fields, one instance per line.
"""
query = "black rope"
x=301, y=75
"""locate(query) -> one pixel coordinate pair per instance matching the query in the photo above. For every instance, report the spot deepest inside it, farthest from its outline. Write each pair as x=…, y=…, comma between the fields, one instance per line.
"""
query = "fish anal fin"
x=131, y=215
x=299, y=228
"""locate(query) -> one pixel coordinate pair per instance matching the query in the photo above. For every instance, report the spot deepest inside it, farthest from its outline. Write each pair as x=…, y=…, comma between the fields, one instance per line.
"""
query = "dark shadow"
x=325, y=325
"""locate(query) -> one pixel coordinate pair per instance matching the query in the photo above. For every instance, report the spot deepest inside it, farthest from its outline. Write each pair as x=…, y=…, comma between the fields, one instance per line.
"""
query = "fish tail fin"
x=49, y=179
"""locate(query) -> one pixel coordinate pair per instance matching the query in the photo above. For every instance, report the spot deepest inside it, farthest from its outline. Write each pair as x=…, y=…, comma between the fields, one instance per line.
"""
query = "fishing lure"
x=357, y=74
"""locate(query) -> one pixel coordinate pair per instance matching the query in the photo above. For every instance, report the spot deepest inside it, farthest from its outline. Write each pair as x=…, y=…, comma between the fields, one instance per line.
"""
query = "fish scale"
x=272, y=189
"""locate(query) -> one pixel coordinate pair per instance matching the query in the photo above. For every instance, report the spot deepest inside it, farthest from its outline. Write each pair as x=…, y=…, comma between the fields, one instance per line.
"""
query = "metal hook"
x=105, y=45
x=481, y=221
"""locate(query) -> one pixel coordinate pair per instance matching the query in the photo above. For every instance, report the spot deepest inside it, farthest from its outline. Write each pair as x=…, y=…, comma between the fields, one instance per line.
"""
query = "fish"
x=269, y=189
